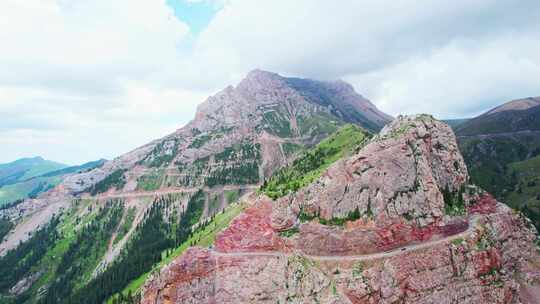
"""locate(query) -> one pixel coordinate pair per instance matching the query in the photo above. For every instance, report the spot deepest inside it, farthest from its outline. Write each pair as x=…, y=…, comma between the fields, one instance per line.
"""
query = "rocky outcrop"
x=410, y=248
x=485, y=264
x=401, y=174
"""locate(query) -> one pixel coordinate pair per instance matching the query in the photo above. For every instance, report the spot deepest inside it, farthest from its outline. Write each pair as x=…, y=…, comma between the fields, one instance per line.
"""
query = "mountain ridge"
x=516, y=115
x=496, y=143
x=237, y=139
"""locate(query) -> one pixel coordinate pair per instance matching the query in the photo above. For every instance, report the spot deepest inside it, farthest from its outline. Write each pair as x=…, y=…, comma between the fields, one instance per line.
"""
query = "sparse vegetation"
x=290, y=232
x=83, y=255
x=358, y=269
x=335, y=221
x=199, y=141
x=5, y=226
x=231, y=195
x=276, y=121
x=453, y=202
x=312, y=163
x=457, y=242
x=126, y=224
x=163, y=153
x=291, y=148
x=150, y=182
x=116, y=179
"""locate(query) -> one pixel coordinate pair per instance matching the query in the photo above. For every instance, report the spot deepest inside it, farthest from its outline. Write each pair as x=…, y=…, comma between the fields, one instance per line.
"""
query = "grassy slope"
x=508, y=167
x=311, y=164
x=42, y=169
x=203, y=238
x=71, y=222
x=488, y=159
x=525, y=195
x=37, y=184
x=27, y=168
x=455, y=122
x=500, y=122
x=21, y=190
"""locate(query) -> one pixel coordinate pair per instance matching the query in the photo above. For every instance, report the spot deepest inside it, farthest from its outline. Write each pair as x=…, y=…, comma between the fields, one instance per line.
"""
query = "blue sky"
x=106, y=76
x=196, y=14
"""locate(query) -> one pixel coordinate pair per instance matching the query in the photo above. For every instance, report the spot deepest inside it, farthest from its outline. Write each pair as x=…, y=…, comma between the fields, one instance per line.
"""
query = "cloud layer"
x=88, y=79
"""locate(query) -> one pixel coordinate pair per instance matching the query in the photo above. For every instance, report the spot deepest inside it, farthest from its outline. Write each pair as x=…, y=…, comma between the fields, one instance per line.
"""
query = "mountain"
x=31, y=187
x=515, y=116
x=25, y=168
x=265, y=118
x=497, y=144
x=398, y=221
x=455, y=122
x=139, y=207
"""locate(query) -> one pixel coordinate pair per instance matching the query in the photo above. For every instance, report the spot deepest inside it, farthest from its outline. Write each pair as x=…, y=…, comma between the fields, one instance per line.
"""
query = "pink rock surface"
x=400, y=173
x=251, y=232
x=409, y=252
x=449, y=271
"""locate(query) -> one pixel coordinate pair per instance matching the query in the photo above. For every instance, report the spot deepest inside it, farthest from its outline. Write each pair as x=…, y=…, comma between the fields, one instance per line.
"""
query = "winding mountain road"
x=136, y=194
x=386, y=254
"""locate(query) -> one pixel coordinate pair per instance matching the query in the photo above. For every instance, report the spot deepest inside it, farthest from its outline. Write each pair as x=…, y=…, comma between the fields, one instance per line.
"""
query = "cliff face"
x=398, y=222
x=401, y=173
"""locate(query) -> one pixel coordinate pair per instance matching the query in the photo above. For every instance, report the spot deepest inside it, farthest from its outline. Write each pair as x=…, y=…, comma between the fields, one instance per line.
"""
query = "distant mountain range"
x=25, y=168
x=502, y=150
x=513, y=116
x=28, y=177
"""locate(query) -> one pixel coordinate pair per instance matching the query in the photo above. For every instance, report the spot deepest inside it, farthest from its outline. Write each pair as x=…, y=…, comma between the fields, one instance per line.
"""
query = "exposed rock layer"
x=486, y=254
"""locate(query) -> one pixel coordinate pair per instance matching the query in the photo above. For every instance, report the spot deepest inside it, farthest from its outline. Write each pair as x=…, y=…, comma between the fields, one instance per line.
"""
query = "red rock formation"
x=251, y=232
x=486, y=255
x=486, y=204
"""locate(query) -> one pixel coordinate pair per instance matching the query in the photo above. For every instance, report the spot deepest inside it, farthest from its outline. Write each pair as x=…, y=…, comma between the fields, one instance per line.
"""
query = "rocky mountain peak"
x=261, y=76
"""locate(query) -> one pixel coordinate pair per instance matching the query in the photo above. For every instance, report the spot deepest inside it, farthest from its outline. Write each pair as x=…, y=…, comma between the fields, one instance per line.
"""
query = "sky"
x=88, y=79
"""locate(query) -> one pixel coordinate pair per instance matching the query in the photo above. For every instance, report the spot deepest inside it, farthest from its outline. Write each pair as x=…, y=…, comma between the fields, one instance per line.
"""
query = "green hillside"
x=502, y=148
x=310, y=165
x=502, y=122
x=455, y=122
x=33, y=186
x=25, y=168
x=524, y=195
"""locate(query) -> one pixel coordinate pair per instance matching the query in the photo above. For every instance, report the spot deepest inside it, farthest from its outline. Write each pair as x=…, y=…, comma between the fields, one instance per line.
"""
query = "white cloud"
x=60, y=130
x=328, y=39
x=450, y=58
x=78, y=78
x=462, y=79
x=87, y=79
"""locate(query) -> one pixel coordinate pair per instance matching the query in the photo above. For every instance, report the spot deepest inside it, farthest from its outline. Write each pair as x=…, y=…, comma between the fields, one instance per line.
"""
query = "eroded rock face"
x=406, y=249
x=401, y=173
x=481, y=265
x=251, y=232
